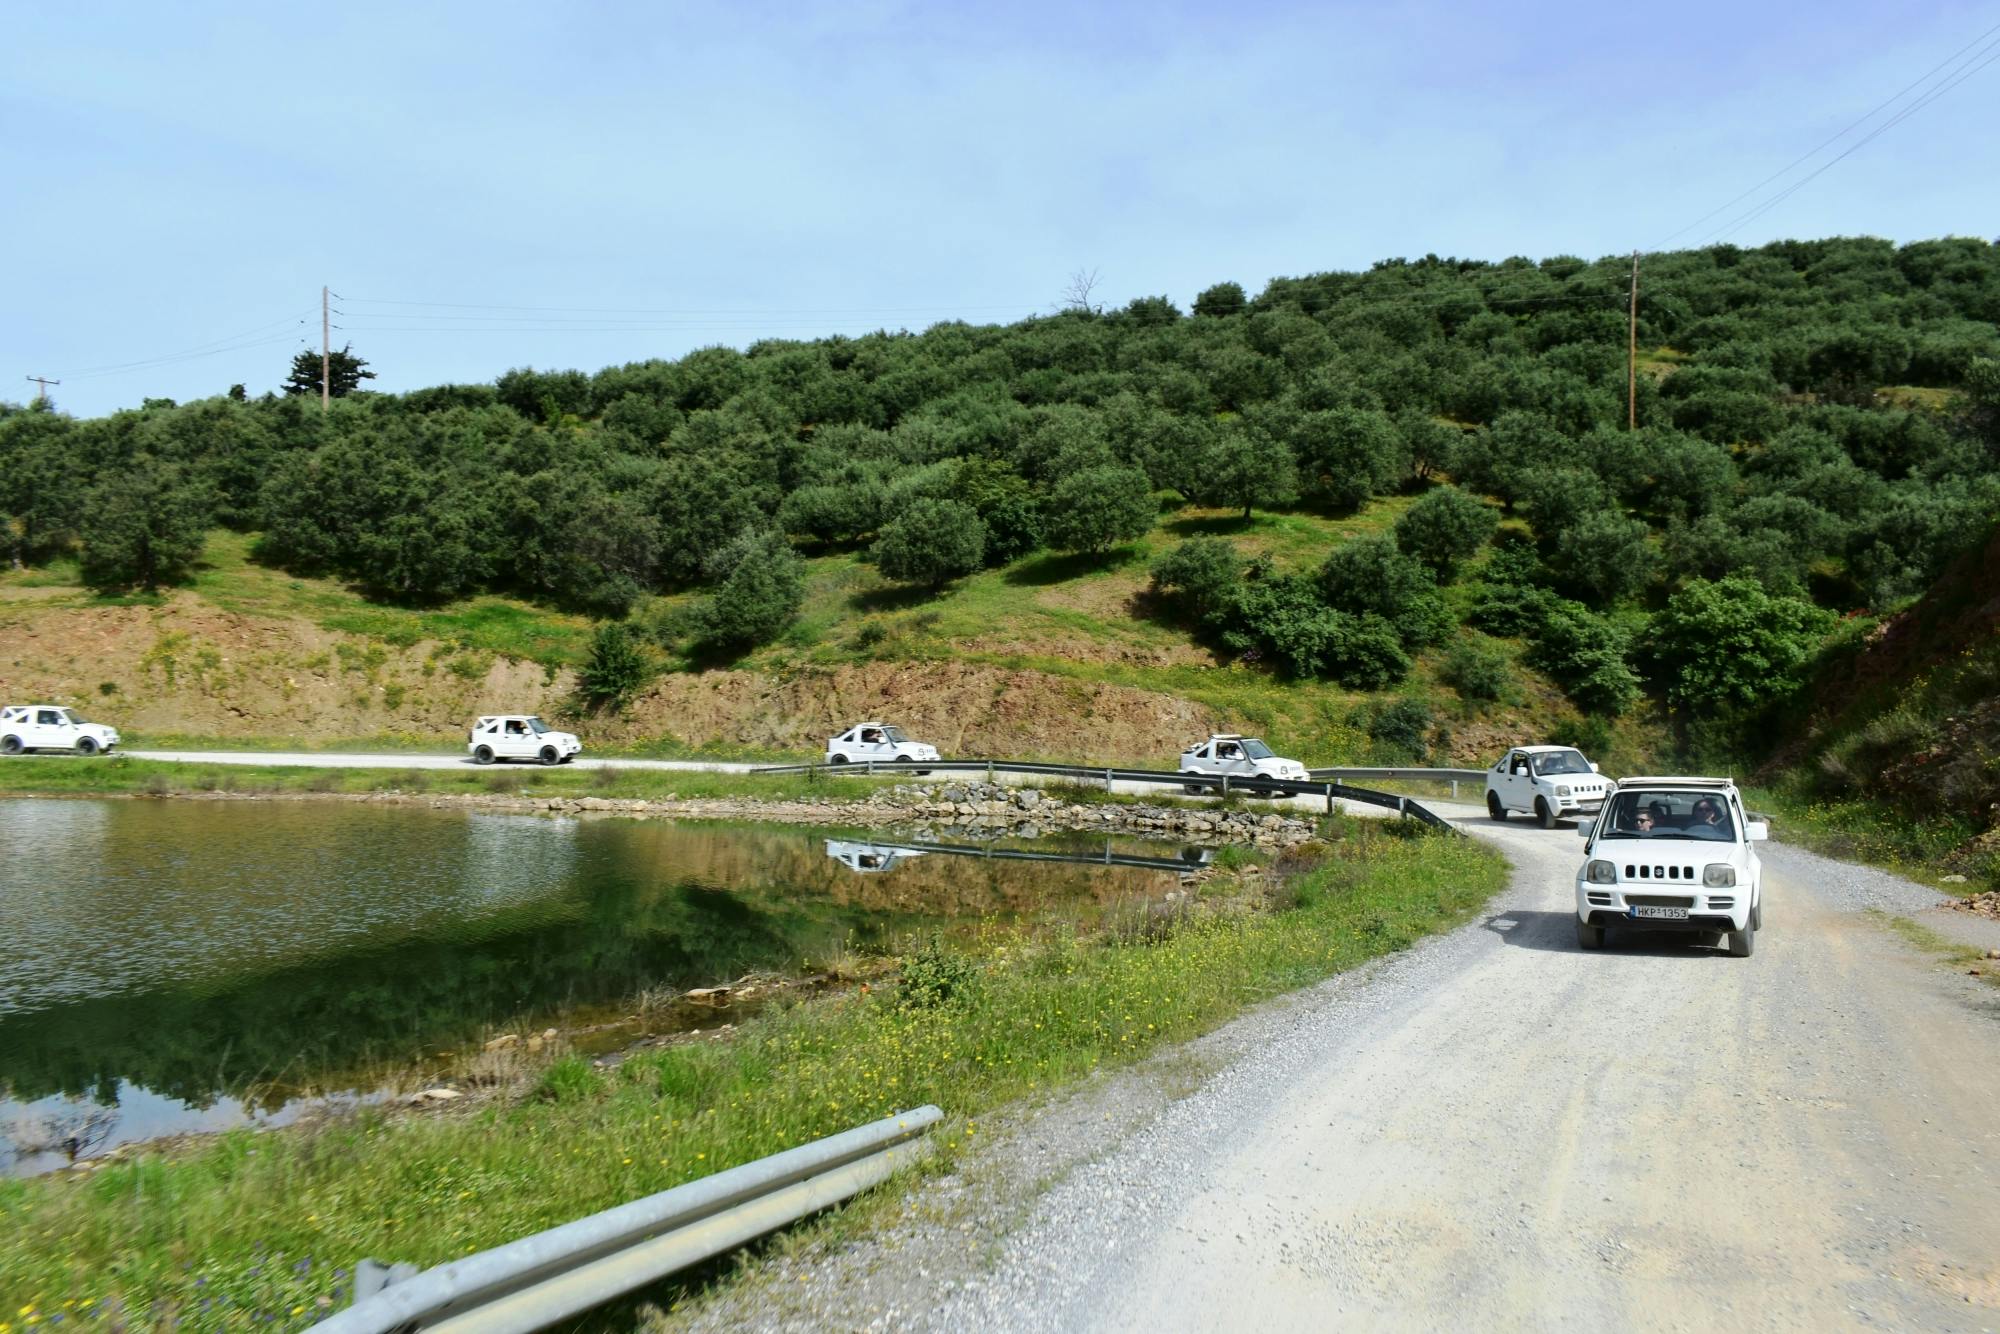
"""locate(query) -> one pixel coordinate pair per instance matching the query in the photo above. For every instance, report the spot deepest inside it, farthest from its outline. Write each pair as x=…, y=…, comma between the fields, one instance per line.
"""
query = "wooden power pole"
x=1632, y=354
x=327, y=347
x=42, y=396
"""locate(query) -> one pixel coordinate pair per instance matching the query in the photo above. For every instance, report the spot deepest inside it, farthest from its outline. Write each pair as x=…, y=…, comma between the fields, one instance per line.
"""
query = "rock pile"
x=998, y=806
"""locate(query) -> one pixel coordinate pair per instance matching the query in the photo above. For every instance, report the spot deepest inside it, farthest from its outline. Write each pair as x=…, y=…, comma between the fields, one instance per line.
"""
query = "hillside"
x=1394, y=513
x=1012, y=661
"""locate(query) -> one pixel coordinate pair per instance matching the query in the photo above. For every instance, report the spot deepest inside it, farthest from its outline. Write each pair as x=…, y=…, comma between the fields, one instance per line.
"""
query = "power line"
x=1978, y=41
x=1991, y=53
x=211, y=348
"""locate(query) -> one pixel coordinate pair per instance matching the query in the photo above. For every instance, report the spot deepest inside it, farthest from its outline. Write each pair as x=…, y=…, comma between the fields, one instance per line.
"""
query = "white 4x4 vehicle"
x=520, y=736
x=878, y=743
x=1676, y=854
x=25, y=727
x=1240, y=757
x=1549, y=782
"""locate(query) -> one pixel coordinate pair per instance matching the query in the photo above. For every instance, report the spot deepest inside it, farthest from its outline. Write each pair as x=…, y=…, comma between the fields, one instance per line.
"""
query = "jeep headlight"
x=1562, y=789
x=1718, y=875
x=1600, y=872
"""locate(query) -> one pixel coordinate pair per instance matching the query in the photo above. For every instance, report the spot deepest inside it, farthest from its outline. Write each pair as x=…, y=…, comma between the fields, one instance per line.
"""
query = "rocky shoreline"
x=989, y=810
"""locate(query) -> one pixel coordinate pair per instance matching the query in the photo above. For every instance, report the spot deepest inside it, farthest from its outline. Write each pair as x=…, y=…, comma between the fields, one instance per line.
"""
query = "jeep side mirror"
x=1585, y=828
x=1593, y=766
x=1759, y=831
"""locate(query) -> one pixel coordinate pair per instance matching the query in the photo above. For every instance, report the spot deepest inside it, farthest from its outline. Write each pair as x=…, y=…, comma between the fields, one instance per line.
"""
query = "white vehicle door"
x=1516, y=783
x=1230, y=759
x=51, y=729
x=517, y=739
x=872, y=743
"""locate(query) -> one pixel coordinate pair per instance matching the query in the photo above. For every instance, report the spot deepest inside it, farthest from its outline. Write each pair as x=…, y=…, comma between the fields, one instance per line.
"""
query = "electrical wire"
x=211, y=348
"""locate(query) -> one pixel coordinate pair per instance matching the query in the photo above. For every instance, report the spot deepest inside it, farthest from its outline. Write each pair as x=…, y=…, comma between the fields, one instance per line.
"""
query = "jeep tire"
x=1743, y=943
x=1589, y=937
x=11, y=745
x=549, y=756
x=482, y=755
x=1493, y=807
x=86, y=745
x=1544, y=817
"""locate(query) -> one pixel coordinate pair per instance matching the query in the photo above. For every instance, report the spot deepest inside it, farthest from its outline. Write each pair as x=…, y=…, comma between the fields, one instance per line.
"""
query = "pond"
x=188, y=966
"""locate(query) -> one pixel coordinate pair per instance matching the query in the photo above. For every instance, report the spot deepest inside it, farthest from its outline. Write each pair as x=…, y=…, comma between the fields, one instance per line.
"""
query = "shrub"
x=1445, y=527
x=1588, y=655
x=935, y=976
x=931, y=543
x=569, y=1080
x=1478, y=671
x=1401, y=728
x=1730, y=645
x=1203, y=577
x=617, y=668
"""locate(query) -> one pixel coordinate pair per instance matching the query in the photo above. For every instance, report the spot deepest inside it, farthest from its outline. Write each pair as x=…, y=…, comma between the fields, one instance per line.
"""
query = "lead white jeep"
x=877, y=743
x=1240, y=757
x=1548, y=782
x=1673, y=854
x=520, y=736
x=26, y=727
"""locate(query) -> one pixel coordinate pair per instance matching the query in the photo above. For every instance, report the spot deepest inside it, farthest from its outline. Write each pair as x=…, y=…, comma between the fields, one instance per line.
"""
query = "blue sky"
x=182, y=179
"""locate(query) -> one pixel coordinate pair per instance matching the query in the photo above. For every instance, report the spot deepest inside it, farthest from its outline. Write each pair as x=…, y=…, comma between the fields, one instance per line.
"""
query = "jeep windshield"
x=1669, y=814
x=896, y=735
x=537, y=726
x=1257, y=750
x=74, y=717
x=1561, y=762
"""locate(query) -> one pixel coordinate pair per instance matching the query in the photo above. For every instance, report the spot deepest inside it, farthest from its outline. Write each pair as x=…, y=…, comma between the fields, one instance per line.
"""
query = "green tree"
x=1368, y=574
x=1203, y=577
x=759, y=587
x=1221, y=299
x=344, y=373
x=1589, y=656
x=1250, y=468
x=1098, y=508
x=617, y=668
x=1731, y=645
x=143, y=527
x=1445, y=526
x=932, y=542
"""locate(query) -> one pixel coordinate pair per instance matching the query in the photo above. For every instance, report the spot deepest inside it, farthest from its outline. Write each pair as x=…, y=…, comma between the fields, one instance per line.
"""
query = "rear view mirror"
x=1759, y=831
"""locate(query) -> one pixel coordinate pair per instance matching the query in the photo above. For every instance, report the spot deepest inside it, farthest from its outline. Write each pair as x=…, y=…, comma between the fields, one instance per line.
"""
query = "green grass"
x=266, y=1221
x=1917, y=847
x=1953, y=954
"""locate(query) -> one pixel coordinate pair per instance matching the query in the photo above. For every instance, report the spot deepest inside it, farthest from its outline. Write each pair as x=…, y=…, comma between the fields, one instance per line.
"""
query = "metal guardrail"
x=534, y=1282
x=1222, y=784
x=1451, y=776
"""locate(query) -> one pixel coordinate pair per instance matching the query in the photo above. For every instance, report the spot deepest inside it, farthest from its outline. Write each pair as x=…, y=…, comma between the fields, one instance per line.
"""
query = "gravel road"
x=1493, y=1129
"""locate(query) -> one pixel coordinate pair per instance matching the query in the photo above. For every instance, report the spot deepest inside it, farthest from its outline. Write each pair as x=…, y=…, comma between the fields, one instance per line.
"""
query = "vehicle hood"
x=1280, y=767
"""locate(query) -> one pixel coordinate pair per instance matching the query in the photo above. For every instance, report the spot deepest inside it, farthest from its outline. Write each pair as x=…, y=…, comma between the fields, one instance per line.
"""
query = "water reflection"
x=875, y=856
x=189, y=965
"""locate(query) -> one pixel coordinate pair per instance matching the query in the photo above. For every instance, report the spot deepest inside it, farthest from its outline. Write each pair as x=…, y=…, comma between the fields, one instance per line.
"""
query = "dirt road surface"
x=1498, y=1130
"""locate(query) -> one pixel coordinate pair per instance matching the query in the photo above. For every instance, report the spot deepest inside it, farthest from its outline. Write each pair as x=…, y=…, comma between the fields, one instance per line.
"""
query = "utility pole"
x=1632, y=354
x=327, y=347
x=42, y=380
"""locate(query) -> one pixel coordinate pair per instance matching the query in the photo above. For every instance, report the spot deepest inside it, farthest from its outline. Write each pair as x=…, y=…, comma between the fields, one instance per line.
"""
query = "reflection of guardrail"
x=1222, y=784
x=841, y=850
x=554, y=1275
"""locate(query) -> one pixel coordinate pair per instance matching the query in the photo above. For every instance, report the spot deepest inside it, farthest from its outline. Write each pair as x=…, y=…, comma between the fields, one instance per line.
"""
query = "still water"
x=180, y=966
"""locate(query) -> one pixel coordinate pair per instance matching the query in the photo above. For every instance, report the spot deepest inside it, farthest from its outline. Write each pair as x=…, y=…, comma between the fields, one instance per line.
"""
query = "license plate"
x=1664, y=914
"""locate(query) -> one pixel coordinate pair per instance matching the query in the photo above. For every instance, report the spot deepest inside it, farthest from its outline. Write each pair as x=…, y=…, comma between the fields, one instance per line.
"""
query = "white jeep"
x=1675, y=854
x=878, y=743
x=520, y=736
x=1548, y=782
x=1240, y=757
x=26, y=727
x=869, y=858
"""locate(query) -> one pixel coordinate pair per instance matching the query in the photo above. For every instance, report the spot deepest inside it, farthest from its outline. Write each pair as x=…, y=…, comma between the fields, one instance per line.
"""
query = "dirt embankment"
x=189, y=668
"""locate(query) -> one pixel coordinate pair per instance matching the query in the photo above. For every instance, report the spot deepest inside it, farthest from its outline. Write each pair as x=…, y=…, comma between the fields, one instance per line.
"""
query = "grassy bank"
x=269, y=1225
x=1923, y=849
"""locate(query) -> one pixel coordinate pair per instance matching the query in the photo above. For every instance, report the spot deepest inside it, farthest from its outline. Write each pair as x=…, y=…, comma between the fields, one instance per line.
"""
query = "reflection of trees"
x=311, y=1023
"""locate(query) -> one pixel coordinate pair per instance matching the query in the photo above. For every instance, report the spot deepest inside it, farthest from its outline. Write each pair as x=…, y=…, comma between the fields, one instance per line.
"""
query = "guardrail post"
x=989, y=773
x=1329, y=799
x=1107, y=780
x=1225, y=785
x=1454, y=789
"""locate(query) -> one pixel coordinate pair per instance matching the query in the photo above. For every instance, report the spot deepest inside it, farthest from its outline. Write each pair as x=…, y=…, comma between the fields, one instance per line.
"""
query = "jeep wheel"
x=10, y=745
x=483, y=755
x=1757, y=914
x=1743, y=943
x=1494, y=808
x=567, y=758
x=1544, y=817
x=838, y=759
x=549, y=755
x=86, y=745
x=1192, y=789
x=1589, y=937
